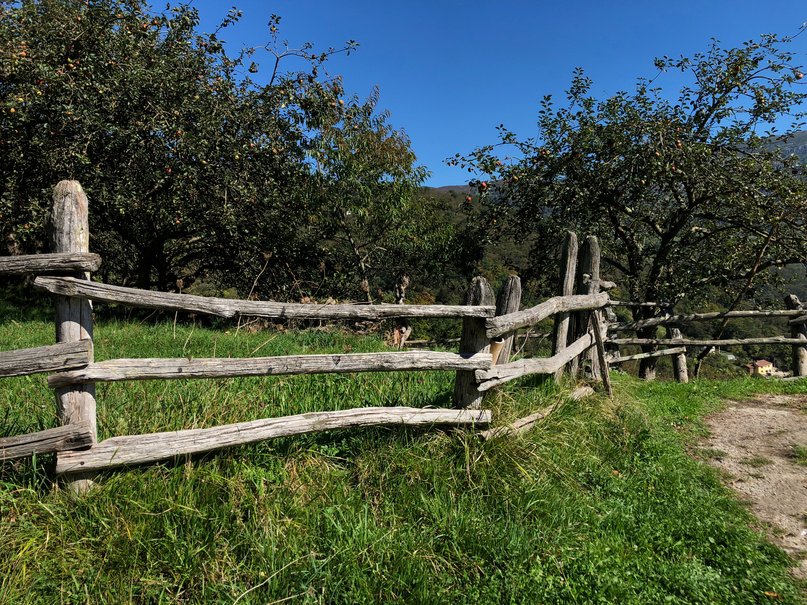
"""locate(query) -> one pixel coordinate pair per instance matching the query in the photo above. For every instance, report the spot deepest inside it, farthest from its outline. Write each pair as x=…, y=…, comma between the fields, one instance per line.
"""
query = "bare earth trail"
x=756, y=441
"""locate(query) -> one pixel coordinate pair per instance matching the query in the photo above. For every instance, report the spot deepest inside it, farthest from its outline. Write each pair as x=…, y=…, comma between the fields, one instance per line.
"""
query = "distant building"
x=761, y=368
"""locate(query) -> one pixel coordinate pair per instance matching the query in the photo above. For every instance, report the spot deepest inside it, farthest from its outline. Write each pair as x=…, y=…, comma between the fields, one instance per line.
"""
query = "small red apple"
x=468, y=199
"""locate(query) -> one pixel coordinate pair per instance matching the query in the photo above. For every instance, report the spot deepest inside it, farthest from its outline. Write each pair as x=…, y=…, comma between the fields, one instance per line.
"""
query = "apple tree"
x=684, y=194
x=364, y=192
x=195, y=170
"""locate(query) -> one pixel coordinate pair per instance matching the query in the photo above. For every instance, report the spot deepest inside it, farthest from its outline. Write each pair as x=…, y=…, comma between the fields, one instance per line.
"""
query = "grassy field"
x=600, y=504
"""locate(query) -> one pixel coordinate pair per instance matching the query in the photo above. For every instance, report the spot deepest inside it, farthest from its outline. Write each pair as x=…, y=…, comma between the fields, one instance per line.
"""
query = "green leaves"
x=683, y=193
x=193, y=171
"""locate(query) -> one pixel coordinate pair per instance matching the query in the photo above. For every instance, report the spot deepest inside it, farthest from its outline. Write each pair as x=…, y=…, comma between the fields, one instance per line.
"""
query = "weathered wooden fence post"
x=679, y=359
x=70, y=232
x=508, y=301
x=588, y=282
x=474, y=340
x=568, y=266
x=792, y=302
x=611, y=350
x=401, y=326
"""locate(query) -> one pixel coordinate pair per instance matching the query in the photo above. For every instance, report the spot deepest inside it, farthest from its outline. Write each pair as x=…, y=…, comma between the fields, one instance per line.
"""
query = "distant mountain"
x=459, y=189
x=796, y=145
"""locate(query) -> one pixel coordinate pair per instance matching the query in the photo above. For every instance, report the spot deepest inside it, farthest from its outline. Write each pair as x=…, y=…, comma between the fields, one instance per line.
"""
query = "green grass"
x=600, y=504
x=757, y=462
x=799, y=455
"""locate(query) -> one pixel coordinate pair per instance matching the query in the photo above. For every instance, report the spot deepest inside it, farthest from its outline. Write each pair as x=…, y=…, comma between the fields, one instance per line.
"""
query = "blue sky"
x=451, y=71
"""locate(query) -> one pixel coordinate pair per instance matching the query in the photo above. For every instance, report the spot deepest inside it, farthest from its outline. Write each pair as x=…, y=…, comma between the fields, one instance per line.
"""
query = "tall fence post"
x=474, y=340
x=588, y=282
x=508, y=301
x=793, y=303
x=568, y=266
x=70, y=232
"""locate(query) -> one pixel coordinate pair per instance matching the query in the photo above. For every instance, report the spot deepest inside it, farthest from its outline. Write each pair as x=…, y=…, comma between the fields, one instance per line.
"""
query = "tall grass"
x=599, y=504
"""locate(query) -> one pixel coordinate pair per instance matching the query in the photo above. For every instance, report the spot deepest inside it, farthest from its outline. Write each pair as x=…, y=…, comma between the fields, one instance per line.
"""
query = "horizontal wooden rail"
x=139, y=449
x=68, y=437
x=49, y=263
x=171, y=369
x=500, y=374
x=626, y=303
x=50, y=358
x=674, y=351
x=499, y=326
x=674, y=319
x=771, y=340
x=223, y=307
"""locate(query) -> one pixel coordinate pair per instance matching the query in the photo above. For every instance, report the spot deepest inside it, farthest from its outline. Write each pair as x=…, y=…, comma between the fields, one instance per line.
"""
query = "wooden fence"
x=487, y=322
x=677, y=344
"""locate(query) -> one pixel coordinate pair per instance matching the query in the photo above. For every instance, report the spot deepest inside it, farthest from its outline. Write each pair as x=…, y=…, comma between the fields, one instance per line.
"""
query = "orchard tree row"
x=196, y=172
x=688, y=194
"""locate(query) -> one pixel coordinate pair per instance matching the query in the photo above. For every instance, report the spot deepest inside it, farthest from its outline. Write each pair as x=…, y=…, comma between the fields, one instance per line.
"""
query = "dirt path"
x=762, y=445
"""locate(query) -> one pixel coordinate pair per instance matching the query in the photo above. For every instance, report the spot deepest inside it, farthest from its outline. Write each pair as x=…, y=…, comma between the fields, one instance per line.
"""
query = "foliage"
x=682, y=194
x=601, y=504
x=194, y=169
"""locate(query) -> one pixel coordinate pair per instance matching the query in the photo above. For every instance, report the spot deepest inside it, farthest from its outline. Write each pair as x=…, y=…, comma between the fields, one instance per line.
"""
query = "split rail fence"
x=796, y=312
x=488, y=326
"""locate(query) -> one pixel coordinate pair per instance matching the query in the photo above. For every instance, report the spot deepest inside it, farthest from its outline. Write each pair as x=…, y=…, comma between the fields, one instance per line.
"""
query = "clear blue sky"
x=451, y=71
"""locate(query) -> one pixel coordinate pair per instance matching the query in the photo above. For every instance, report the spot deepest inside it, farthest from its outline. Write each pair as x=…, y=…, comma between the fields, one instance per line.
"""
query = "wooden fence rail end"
x=67, y=437
x=49, y=263
x=499, y=326
x=50, y=358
